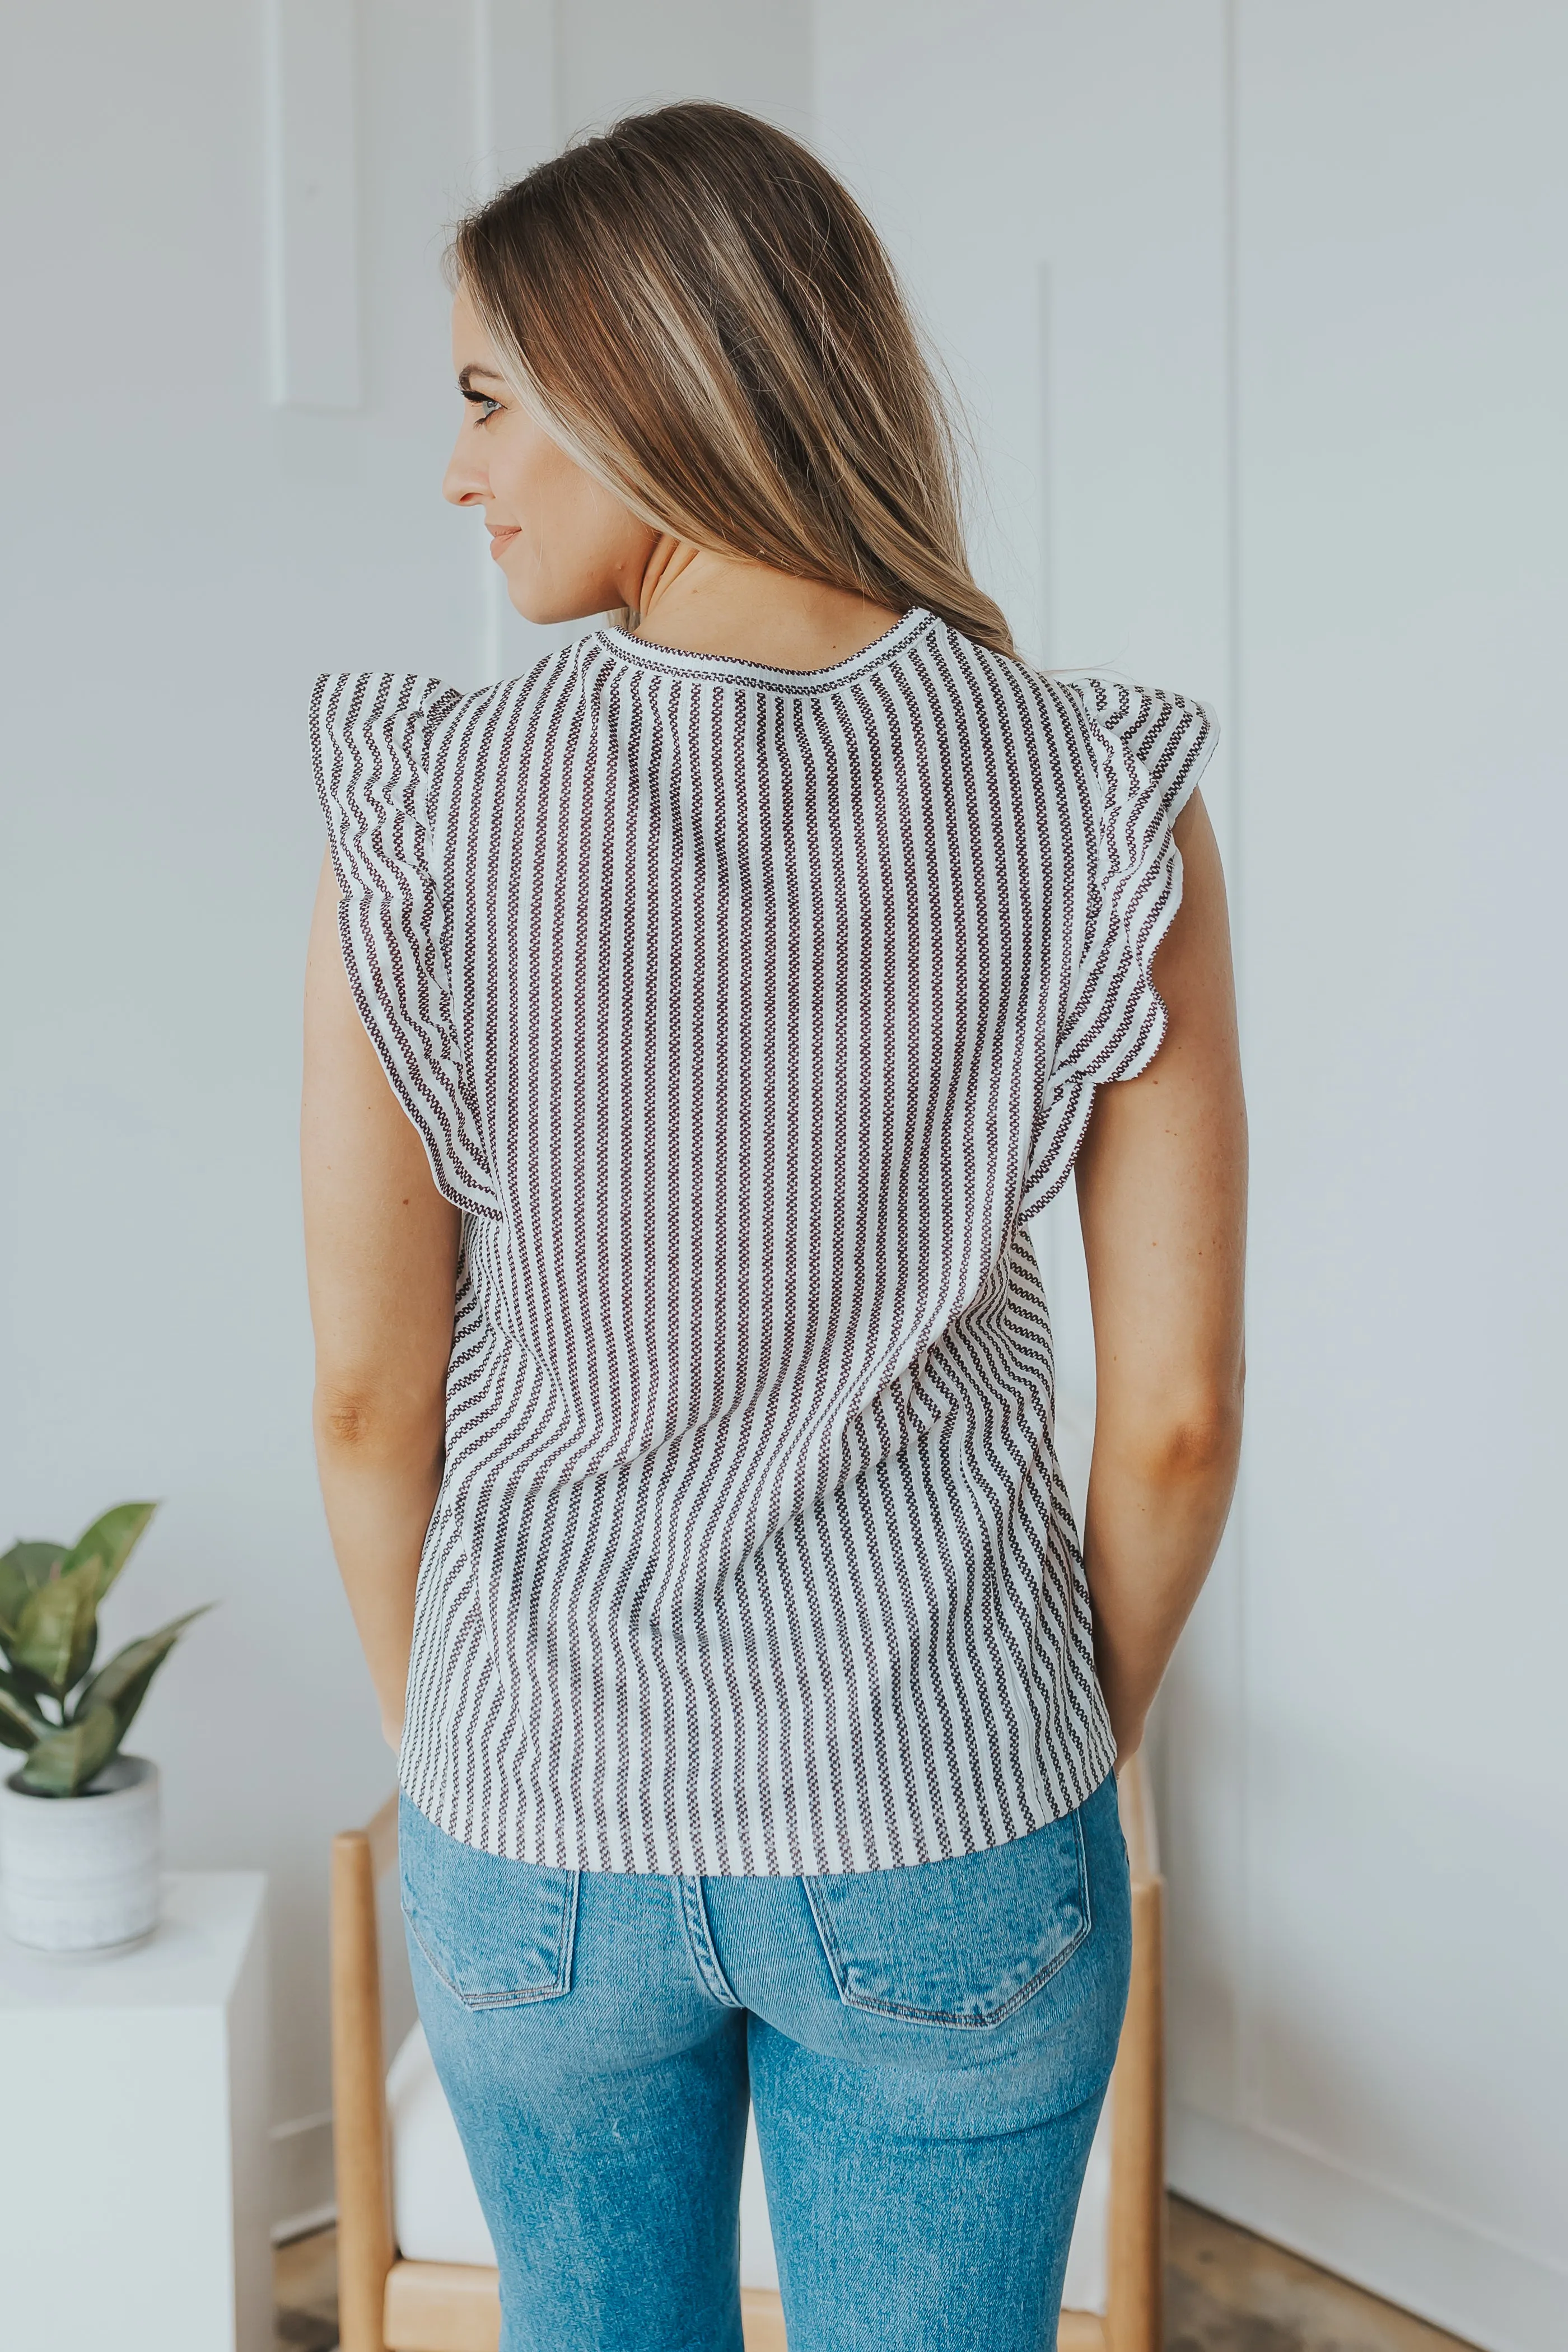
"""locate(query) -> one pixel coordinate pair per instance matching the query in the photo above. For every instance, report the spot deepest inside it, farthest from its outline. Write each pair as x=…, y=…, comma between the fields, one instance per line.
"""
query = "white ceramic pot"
x=81, y=1873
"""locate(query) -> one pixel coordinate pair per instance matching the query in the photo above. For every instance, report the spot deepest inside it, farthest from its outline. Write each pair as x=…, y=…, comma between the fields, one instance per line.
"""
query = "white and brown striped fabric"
x=747, y=1015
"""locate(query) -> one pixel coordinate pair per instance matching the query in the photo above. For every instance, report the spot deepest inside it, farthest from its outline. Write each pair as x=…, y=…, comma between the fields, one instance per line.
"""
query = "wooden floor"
x=1226, y=2291
x=305, y=2277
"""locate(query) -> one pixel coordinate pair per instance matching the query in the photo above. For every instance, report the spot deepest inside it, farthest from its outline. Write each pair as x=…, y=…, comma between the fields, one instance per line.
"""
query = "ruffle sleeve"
x=373, y=738
x=1145, y=752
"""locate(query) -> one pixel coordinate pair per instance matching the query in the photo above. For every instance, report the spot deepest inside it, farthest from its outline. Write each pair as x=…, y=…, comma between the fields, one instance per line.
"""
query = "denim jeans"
x=926, y=2049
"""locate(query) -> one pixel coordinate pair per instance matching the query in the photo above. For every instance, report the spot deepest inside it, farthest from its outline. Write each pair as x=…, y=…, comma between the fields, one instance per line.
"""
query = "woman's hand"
x=381, y=1252
x=1162, y=1191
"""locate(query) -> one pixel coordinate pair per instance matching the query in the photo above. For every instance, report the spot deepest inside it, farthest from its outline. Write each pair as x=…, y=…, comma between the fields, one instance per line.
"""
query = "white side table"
x=134, y=2188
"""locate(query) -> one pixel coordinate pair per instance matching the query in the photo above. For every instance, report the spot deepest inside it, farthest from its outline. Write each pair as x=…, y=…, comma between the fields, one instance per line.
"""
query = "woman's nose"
x=466, y=483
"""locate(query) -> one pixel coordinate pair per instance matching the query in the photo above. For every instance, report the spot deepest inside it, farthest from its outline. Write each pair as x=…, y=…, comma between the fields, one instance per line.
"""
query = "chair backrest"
x=1135, y=1801
x=365, y=2246
x=1134, y=2314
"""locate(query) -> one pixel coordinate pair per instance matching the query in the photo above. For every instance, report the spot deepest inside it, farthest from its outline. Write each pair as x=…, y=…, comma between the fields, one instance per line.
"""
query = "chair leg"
x=366, y=2248
x=1135, y=2318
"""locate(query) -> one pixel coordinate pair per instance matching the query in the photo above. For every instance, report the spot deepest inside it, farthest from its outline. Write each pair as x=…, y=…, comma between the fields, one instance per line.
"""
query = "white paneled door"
x=1401, y=230
x=1261, y=315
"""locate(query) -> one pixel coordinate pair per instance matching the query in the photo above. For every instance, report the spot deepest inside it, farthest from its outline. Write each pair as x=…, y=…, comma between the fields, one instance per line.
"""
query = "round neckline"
x=734, y=670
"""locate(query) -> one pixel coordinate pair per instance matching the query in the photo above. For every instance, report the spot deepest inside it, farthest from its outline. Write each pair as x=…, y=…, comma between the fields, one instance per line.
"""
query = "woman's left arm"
x=380, y=1251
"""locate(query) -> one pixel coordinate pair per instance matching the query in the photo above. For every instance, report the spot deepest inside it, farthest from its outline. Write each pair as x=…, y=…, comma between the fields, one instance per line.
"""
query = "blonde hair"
x=708, y=322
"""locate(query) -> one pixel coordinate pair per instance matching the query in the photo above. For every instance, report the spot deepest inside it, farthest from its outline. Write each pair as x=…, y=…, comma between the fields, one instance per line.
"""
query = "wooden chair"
x=387, y=2305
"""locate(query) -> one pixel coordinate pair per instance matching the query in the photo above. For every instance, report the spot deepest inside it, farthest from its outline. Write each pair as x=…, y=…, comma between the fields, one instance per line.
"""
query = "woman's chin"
x=534, y=605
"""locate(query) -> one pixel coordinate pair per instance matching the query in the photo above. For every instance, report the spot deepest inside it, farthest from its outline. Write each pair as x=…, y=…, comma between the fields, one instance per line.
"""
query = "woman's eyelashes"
x=481, y=400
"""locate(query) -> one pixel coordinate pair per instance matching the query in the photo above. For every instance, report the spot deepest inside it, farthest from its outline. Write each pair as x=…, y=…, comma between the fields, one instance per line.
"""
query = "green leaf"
x=111, y=1539
x=122, y=1683
x=63, y=1761
x=19, y=1727
x=57, y=1631
x=22, y=1570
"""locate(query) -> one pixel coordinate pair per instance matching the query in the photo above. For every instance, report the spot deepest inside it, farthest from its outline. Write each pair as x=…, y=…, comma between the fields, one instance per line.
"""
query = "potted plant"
x=79, y=1827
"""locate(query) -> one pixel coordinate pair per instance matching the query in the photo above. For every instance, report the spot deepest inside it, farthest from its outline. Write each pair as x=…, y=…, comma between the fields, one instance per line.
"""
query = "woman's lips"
x=501, y=540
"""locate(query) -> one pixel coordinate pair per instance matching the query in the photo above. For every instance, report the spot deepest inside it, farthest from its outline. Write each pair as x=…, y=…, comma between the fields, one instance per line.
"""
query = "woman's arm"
x=380, y=1251
x=1162, y=1193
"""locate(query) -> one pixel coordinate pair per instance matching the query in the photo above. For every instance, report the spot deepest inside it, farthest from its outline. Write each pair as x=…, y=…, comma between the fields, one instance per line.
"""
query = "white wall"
x=1261, y=315
x=184, y=557
x=1402, y=247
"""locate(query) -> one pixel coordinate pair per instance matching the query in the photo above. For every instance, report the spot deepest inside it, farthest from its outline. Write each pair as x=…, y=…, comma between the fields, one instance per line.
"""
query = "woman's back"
x=748, y=1016
x=692, y=1477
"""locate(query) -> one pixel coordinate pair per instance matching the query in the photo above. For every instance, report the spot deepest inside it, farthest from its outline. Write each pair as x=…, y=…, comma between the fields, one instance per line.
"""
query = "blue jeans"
x=926, y=2049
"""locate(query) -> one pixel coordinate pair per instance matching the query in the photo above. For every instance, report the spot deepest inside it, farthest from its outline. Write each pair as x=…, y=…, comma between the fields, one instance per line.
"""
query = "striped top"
x=747, y=1015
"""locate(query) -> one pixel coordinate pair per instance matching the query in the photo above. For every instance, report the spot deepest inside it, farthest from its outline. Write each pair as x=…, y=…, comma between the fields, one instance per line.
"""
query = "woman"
x=693, y=1026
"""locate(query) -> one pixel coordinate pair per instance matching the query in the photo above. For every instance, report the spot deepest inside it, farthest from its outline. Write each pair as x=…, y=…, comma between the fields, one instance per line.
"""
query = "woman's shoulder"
x=1089, y=716
x=349, y=698
x=1095, y=699
x=375, y=729
x=1145, y=718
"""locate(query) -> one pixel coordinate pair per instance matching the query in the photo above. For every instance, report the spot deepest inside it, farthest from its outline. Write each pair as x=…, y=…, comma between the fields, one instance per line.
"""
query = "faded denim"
x=926, y=2049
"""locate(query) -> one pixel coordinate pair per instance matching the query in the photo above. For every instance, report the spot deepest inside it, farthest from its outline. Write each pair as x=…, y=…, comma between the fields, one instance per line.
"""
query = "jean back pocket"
x=497, y=1933
x=964, y=1942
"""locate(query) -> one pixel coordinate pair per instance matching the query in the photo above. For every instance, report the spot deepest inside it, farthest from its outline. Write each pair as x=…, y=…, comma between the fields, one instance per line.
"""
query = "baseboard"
x=1501, y=2298
x=304, y=2225
x=303, y=2191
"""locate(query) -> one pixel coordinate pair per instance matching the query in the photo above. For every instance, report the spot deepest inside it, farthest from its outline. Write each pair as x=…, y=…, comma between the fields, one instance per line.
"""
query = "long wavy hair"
x=704, y=317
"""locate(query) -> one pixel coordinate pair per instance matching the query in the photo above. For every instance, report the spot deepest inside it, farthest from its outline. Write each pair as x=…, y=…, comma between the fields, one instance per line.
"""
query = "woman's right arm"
x=381, y=1250
x=1161, y=1193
